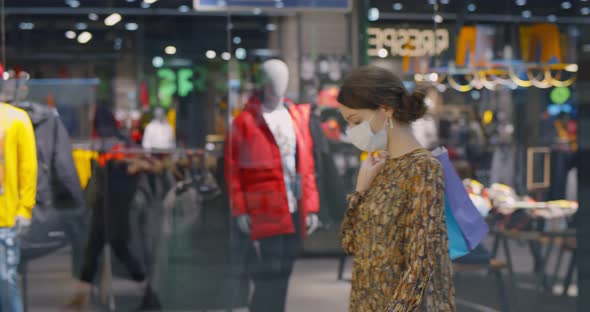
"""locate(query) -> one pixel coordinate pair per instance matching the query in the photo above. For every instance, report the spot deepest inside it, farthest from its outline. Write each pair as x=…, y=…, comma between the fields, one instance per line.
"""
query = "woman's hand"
x=369, y=170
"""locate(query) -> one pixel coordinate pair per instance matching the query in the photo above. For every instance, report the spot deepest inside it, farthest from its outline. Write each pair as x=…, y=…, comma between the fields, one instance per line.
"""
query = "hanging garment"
x=255, y=172
x=58, y=218
x=18, y=165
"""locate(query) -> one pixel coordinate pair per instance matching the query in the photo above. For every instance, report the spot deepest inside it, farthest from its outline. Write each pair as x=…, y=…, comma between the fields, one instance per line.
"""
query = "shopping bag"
x=468, y=219
x=457, y=244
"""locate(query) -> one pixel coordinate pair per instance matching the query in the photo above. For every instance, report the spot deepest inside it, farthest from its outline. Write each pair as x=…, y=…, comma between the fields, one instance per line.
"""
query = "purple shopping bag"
x=470, y=221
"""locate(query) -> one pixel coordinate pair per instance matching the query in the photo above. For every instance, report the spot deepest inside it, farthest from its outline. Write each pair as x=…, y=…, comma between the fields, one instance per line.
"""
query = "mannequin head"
x=159, y=114
x=276, y=79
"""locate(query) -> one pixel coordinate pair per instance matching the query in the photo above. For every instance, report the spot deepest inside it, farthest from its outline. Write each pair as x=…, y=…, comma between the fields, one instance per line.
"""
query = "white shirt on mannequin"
x=159, y=135
x=281, y=125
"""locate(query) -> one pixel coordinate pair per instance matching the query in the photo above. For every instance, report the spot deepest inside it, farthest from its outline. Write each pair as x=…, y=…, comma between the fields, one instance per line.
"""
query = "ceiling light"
x=585, y=11
x=113, y=19
x=398, y=6
x=73, y=3
x=471, y=7
x=131, y=26
x=211, y=54
x=70, y=34
x=81, y=26
x=241, y=53
x=170, y=50
x=257, y=11
x=184, y=8
x=438, y=19
x=84, y=37
x=521, y=2
x=271, y=27
x=373, y=14
x=226, y=56
x=527, y=14
x=158, y=61
x=552, y=18
x=383, y=53
x=93, y=17
x=566, y=5
x=150, y=1
x=433, y=77
x=444, y=1
x=145, y=5
x=237, y=40
x=26, y=26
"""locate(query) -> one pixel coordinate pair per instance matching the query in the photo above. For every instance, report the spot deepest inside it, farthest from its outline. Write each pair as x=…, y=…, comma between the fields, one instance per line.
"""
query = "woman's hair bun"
x=412, y=106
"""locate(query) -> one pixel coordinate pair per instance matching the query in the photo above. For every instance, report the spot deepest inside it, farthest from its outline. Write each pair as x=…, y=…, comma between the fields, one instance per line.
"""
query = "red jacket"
x=254, y=171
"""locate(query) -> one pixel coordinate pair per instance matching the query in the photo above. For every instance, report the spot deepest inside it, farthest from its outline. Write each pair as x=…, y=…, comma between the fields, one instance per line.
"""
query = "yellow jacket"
x=18, y=165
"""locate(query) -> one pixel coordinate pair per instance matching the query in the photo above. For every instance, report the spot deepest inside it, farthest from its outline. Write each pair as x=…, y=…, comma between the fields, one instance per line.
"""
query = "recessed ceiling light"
x=398, y=6
x=184, y=8
x=93, y=17
x=170, y=50
x=237, y=40
x=271, y=27
x=438, y=19
x=241, y=53
x=373, y=14
x=551, y=18
x=444, y=1
x=383, y=53
x=70, y=34
x=585, y=11
x=471, y=7
x=73, y=3
x=131, y=26
x=26, y=26
x=145, y=5
x=226, y=56
x=81, y=26
x=113, y=19
x=566, y=5
x=521, y=2
x=150, y=1
x=158, y=61
x=527, y=14
x=257, y=11
x=211, y=54
x=84, y=37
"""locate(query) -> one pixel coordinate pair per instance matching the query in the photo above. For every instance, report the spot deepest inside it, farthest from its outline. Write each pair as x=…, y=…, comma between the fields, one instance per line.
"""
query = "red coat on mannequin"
x=254, y=171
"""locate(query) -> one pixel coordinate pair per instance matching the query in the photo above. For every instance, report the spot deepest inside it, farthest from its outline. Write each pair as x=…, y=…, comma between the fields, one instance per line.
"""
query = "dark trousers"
x=274, y=262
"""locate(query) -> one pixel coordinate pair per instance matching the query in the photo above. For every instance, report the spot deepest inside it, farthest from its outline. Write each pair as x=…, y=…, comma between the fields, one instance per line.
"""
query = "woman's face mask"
x=365, y=139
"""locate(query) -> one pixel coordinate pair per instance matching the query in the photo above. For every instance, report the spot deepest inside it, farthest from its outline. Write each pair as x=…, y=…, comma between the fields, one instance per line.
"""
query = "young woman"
x=395, y=223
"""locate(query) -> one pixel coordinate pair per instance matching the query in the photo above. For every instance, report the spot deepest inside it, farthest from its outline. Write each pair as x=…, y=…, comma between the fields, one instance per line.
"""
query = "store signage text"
x=411, y=42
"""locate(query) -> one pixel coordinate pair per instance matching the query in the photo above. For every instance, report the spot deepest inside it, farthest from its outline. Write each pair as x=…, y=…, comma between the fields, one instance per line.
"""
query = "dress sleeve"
x=424, y=190
x=351, y=222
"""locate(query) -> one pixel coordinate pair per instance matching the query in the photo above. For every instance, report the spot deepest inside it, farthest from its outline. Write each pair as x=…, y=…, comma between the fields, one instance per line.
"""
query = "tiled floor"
x=313, y=288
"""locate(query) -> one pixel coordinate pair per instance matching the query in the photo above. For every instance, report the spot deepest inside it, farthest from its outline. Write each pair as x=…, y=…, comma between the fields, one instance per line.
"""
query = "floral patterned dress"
x=397, y=233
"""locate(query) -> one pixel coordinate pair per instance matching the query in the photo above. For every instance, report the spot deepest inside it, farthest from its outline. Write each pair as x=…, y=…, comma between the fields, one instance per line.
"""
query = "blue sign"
x=334, y=5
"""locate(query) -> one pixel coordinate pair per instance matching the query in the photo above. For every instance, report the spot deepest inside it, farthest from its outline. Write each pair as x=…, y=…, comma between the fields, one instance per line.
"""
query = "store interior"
x=150, y=98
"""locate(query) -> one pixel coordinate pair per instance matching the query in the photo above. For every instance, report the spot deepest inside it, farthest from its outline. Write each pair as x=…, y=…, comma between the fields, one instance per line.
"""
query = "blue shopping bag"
x=457, y=244
x=465, y=226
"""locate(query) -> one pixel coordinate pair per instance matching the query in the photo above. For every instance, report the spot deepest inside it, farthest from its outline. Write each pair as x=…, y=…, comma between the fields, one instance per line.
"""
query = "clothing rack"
x=104, y=147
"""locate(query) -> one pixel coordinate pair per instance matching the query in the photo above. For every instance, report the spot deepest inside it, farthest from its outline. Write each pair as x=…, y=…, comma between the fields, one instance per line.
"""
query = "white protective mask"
x=364, y=139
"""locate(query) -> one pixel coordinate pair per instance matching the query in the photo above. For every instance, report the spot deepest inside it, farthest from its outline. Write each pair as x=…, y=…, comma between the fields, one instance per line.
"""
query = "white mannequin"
x=158, y=133
x=276, y=75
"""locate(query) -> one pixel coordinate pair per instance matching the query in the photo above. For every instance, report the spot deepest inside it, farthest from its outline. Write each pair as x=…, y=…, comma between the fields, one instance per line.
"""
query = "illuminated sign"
x=332, y=5
x=560, y=95
x=410, y=42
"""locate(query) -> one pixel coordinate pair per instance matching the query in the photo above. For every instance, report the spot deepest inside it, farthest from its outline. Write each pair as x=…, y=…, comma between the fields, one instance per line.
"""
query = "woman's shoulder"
x=423, y=160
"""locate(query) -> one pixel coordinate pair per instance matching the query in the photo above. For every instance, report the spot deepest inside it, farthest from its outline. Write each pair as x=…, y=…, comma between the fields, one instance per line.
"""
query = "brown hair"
x=372, y=87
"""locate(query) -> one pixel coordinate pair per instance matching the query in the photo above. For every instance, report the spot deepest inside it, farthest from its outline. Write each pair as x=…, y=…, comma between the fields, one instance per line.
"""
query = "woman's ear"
x=387, y=110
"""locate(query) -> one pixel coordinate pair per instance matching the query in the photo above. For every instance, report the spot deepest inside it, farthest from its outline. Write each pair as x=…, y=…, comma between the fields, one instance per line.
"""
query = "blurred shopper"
x=395, y=222
x=18, y=182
